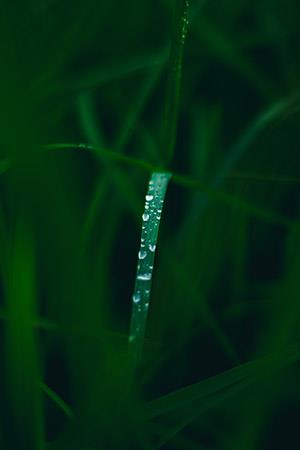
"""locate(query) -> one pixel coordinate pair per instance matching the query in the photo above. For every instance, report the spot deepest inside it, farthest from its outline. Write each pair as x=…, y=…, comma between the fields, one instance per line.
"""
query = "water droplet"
x=142, y=254
x=86, y=146
x=152, y=247
x=149, y=198
x=131, y=338
x=144, y=276
x=145, y=217
x=136, y=297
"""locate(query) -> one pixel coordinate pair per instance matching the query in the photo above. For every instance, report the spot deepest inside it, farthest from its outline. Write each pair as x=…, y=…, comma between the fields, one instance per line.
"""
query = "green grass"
x=154, y=202
x=198, y=105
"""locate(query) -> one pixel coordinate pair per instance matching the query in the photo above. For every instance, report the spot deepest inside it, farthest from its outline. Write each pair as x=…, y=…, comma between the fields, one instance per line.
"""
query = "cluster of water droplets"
x=85, y=146
x=150, y=223
x=185, y=22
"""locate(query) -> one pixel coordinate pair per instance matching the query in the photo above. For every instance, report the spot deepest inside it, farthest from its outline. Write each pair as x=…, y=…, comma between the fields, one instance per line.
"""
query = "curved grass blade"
x=229, y=53
x=273, y=113
x=141, y=296
x=179, y=31
x=188, y=416
x=196, y=393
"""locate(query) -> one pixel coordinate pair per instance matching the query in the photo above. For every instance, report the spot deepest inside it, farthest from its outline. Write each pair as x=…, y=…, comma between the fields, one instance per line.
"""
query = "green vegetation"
x=197, y=107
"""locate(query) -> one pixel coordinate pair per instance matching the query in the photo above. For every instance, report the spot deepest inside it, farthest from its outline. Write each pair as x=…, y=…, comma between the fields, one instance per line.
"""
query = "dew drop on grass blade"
x=141, y=297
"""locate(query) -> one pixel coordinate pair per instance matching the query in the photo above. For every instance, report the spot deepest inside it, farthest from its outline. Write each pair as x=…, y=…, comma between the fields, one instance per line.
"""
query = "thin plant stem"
x=179, y=31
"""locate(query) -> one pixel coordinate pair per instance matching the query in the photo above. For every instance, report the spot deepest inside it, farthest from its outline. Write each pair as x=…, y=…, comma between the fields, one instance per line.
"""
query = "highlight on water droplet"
x=142, y=253
x=152, y=247
x=149, y=197
x=145, y=217
x=144, y=276
x=136, y=298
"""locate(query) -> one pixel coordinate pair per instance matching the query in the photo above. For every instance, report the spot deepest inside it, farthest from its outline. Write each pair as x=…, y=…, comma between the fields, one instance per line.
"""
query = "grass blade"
x=179, y=31
x=188, y=416
x=196, y=393
x=23, y=374
x=141, y=297
x=212, y=191
x=61, y=404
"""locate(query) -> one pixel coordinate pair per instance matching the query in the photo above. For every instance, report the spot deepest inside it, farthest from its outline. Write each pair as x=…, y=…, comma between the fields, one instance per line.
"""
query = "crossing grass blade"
x=250, y=371
x=209, y=193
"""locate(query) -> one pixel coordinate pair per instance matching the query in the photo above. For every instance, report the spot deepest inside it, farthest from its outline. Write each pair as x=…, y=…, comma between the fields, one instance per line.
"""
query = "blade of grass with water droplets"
x=141, y=296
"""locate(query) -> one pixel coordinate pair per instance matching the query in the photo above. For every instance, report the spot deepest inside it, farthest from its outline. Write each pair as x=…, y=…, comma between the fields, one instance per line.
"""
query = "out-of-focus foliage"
x=224, y=314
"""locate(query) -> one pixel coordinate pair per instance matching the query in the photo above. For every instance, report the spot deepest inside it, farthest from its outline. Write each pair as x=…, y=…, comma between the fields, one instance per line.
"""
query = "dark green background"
x=226, y=285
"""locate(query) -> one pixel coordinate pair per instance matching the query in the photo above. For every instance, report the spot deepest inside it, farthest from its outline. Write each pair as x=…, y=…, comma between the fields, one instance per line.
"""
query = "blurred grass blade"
x=137, y=108
x=95, y=78
x=141, y=297
x=250, y=371
x=272, y=113
x=23, y=373
x=208, y=192
x=227, y=50
x=179, y=31
x=235, y=154
x=114, y=176
x=88, y=119
x=187, y=416
x=61, y=404
x=104, y=153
